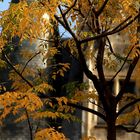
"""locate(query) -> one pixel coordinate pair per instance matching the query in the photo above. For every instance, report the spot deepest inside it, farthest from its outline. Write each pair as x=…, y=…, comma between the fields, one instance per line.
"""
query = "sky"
x=4, y=5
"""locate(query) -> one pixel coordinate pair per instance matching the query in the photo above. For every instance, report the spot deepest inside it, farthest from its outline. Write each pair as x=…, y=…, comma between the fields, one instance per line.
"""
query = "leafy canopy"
x=36, y=21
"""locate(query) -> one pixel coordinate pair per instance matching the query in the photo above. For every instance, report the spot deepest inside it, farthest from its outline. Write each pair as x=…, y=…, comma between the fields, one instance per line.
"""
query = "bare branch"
x=66, y=12
x=42, y=39
x=129, y=130
x=102, y=80
x=104, y=34
x=127, y=106
x=8, y=61
x=102, y=7
x=123, y=22
x=127, y=79
x=86, y=17
x=93, y=102
x=29, y=125
x=116, y=55
x=100, y=55
x=120, y=27
x=87, y=109
x=125, y=60
x=65, y=23
x=29, y=61
x=132, y=129
x=90, y=75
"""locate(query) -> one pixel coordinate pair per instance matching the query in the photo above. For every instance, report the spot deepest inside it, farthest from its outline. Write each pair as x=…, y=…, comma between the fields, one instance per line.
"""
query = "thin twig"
x=126, y=58
x=122, y=23
x=85, y=19
x=65, y=23
x=129, y=130
x=127, y=78
x=110, y=32
x=42, y=39
x=8, y=61
x=29, y=61
x=93, y=102
x=112, y=51
x=29, y=125
x=88, y=110
x=66, y=12
x=127, y=106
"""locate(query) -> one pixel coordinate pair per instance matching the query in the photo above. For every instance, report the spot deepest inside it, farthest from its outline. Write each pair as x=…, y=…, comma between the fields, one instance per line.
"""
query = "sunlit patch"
x=46, y=17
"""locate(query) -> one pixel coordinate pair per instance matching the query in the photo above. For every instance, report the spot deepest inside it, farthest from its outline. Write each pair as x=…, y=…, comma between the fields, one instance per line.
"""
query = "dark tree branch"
x=127, y=79
x=119, y=28
x=85, y=19
x=29, y=125
x=66, y=27
x=127, y=106
x=73, y=5
x=116, y=55
x=105, y=93
x=87, y=109
x=65, y=23
x=90, y=75
x=100, y=56
x=88, y=21
x=22, y=77
x=125, y=60
x=50, y=41
x=29, y=61
x=102, y=80
x=127, y=129
x=130, y=130
x=93, y=102
x=102, y=7
x=121, y=24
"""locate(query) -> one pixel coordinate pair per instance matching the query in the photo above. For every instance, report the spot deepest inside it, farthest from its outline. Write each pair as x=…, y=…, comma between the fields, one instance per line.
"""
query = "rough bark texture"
x=111, y=129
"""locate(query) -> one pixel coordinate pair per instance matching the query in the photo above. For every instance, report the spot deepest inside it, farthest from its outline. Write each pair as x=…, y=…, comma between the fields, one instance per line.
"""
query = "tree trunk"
x=111, y=129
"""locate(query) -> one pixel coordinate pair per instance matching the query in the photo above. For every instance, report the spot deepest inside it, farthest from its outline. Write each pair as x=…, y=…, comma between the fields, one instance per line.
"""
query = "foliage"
x=50, y=134
x=91, y=25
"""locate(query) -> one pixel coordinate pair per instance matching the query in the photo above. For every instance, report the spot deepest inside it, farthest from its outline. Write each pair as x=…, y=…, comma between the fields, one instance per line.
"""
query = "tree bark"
x=111, y=119
x=111, y=130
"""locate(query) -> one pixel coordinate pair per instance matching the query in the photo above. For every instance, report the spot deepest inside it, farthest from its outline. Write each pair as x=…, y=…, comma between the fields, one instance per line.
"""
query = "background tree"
x=90, y=23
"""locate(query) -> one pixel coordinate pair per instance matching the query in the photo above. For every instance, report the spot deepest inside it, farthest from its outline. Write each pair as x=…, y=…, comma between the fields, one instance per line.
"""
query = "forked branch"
x=113, y=31
x=127, y=79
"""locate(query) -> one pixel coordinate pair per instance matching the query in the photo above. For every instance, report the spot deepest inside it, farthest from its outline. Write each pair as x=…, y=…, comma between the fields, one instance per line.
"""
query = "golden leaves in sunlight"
x=34, y=21
x=16, y=102
x=81, y=96
x=49, y=134
x=43, y=88
x=28, y=20
x=62, y=68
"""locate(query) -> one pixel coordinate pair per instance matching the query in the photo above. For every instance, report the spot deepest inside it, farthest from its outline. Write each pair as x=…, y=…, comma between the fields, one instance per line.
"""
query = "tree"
x=90, y=23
